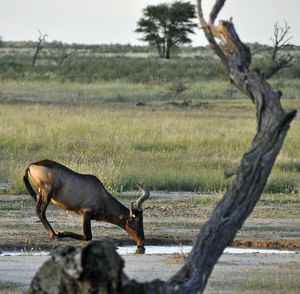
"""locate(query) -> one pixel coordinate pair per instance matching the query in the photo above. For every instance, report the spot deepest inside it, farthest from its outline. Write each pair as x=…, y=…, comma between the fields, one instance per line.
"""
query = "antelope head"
x=134, y=225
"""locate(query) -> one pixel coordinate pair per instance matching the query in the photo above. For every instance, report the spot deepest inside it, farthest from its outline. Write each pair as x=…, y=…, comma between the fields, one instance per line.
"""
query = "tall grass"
x=57, y=92
x=168, y=149
x=128, y=92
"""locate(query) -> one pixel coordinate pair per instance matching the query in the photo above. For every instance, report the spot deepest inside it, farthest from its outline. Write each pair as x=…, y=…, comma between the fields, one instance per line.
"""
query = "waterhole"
x=127, y=250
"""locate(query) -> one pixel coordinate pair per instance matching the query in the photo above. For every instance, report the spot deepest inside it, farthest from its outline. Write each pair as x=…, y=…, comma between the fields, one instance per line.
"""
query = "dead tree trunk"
x=39, y=47
x=64, y=56
x=238, y=202
x=272, y=126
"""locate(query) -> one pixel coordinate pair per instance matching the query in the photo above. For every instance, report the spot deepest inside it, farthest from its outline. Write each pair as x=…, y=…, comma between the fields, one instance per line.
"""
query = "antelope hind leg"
x=42, y=204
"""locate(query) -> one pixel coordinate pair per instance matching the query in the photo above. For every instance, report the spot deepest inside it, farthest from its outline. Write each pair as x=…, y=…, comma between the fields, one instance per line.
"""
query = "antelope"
x=86, y=196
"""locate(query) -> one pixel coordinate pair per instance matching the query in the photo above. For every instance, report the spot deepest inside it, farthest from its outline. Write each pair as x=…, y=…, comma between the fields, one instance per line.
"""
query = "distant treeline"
x=110, y=62
x=105, y=48
x=119, y=48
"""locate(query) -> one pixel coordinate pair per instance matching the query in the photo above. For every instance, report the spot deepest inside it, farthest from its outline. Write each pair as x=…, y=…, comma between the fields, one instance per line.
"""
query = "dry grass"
x=167, y=149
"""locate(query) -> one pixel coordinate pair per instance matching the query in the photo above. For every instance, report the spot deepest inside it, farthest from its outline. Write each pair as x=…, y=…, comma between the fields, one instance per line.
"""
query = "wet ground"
x=169, y=219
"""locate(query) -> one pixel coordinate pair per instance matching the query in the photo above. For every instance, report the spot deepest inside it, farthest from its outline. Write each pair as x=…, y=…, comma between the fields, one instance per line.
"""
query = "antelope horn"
x=143, y=198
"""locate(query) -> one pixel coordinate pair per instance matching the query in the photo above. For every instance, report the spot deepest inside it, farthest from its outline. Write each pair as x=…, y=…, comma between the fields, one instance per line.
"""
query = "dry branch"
x=39, y=47
x=279, y=60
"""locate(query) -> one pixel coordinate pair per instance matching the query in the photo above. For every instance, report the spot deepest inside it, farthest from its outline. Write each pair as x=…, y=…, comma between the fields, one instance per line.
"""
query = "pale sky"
x=114, y=21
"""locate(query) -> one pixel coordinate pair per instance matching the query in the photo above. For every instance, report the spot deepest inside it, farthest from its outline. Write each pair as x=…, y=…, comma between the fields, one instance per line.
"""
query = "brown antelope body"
x=86, y=196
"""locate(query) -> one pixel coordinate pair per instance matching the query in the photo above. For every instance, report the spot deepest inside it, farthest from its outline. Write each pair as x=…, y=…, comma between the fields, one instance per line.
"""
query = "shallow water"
x=126, y=250
x=24, y=253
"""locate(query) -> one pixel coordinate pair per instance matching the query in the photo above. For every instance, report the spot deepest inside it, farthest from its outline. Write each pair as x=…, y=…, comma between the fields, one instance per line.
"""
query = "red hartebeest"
x=84, y=195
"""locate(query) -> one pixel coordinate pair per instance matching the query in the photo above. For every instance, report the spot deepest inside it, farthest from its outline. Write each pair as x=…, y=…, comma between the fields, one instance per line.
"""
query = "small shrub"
x=282, y=186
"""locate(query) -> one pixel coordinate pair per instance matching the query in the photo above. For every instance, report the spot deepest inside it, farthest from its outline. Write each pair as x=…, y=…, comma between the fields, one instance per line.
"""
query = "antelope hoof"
x=140, y=250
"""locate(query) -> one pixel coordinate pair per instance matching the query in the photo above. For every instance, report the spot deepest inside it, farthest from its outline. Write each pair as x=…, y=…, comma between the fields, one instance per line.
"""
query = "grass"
x=75, y=92
x=120, y=91
x=278, y=198
x=16, y=205
x=11, y=287
x=270, y=282
x=260, y=281
x=165, y=148
x=83, y=115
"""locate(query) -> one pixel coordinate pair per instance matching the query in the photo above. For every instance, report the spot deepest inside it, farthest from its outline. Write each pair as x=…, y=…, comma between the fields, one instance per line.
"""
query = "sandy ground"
x=233, y=271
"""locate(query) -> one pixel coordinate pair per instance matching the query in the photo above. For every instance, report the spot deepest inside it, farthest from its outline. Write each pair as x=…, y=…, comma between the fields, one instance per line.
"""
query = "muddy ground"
x=170, y=218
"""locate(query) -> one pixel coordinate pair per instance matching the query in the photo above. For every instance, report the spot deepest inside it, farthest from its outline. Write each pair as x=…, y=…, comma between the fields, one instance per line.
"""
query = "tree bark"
x=252, y=174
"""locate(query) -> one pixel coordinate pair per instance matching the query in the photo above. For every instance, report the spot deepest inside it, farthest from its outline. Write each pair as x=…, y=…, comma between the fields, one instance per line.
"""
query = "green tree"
x=166, y=25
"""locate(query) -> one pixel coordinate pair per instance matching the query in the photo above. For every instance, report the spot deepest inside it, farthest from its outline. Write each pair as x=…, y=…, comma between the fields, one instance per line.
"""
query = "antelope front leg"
x=71, y=235
x=87, y=231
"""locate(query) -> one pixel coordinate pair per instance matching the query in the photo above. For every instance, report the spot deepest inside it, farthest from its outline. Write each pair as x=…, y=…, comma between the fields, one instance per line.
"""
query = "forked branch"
x=281, y=38
x=279, y=59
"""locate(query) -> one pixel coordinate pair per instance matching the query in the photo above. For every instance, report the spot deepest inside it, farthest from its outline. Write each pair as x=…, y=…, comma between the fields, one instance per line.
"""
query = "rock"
x=97, y=268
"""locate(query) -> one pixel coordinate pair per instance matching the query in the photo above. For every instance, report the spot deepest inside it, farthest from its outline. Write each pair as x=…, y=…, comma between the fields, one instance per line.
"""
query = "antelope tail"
x=28, y=185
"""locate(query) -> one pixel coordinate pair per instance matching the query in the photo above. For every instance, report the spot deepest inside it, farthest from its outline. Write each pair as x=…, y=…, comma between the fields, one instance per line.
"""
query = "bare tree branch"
x=64, y=56
x=39, y=46
x=209, y=33
x=281, y=63
x=215, y=10
x=279, y=60
x=281, y=38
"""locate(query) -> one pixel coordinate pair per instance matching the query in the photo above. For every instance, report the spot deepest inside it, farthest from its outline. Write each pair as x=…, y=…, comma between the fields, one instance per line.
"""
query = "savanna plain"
x=174, y=126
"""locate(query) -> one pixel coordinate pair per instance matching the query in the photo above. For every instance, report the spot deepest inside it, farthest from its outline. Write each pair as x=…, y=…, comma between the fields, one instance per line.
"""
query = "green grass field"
x=165, y=147
x=83, y=114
